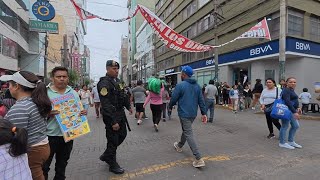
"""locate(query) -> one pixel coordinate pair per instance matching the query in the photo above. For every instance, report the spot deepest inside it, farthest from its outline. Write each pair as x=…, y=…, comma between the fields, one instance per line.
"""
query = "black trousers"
x=225, y=99
x=270, y=120
x=115, y=138
x=156, y=113
x=62, y=150
x=164, y=110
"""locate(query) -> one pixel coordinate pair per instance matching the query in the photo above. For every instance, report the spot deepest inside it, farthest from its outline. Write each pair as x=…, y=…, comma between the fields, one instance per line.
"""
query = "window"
x=200, y=55
x=202, y=3
x=0, y=44
x=189, y=10
x=169, y=9
x=9, y=48
x=205, y=77
x=315, y=28
x=295, y=23
x=274, y=25
x=186, y=57
x=193, y=31
x=171, y=24
x=269, y=74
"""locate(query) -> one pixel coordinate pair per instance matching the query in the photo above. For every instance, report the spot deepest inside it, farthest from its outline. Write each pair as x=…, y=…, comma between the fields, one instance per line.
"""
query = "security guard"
x=113, y=100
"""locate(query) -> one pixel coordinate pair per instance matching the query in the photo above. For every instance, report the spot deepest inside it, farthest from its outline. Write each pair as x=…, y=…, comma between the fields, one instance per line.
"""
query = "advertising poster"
x=71, y=123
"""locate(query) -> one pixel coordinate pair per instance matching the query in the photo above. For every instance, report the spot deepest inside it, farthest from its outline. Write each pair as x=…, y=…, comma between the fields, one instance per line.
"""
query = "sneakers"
x=139, y=122
x=156, y=127
x=294, y=144
x=178, y=149
x=286, y=145
x=145, y=118
x=271, y=136
x=253, y=108
x=164, y=119
x=198, y=163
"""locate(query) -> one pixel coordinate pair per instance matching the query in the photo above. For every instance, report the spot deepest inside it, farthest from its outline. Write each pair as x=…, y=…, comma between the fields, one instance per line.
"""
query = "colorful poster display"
x=71, y=123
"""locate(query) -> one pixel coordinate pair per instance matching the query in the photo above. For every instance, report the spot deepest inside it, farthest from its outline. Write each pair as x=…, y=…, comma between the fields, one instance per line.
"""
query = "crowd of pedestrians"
x=30, y=136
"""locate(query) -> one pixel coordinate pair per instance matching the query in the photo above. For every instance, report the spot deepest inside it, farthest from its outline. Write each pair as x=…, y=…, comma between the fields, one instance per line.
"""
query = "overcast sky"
x=104, y=38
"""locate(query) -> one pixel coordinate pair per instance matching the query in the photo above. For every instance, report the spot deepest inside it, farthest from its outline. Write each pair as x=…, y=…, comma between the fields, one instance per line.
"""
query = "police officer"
x=113, y=100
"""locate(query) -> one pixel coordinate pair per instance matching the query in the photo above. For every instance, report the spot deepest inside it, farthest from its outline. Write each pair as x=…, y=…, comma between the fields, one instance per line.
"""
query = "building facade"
x=123, y=55
x=144, y=57
x=245, y=59
x=20, y=49
x=133, y=26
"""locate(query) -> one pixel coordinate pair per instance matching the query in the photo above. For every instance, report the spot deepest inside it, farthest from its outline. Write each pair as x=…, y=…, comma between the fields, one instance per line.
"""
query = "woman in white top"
x=267, y=98
x=86, y=98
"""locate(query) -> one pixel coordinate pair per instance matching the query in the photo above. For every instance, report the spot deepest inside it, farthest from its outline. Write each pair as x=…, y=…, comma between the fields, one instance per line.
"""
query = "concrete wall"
x=8, y=63
x=15, y=7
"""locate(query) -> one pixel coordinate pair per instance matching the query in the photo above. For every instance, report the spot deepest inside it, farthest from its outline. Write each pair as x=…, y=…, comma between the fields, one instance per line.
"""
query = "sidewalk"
x=309, y=116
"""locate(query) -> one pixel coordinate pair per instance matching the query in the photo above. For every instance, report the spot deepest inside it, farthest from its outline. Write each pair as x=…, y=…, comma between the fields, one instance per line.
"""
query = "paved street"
x=235, y=147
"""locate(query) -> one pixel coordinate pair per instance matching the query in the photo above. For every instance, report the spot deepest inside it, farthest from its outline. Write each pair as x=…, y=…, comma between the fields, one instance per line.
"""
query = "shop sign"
x=303, y=46
x=43, y=10
x=42, y=26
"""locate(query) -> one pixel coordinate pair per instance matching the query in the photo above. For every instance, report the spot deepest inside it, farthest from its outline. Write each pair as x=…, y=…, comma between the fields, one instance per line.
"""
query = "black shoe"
x=164, y=120
x=271, y=136
x=210, y=120
x=116, y=170
x=104, y=158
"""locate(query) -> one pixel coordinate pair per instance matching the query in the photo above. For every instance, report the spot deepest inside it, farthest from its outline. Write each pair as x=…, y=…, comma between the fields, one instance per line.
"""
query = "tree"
x=73, y=77
x=86, y=81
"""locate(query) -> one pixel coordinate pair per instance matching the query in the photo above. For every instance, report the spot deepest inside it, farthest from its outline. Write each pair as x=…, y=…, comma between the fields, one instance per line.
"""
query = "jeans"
x=187, y=135
x=210, y=106
x=284, y=127
x=62, y=151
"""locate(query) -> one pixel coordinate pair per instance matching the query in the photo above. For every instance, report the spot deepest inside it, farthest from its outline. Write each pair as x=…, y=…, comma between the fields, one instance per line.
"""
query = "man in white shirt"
x=96, y=100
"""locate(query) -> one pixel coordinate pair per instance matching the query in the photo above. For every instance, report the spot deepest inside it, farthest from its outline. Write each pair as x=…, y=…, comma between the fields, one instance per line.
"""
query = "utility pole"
x=45, y=63
x=216, y=52
x=282, y=39
x=65, y=51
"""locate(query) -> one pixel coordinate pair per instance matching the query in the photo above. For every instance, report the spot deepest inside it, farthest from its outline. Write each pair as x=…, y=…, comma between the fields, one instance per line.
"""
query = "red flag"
x=83, y=14
x=260, y=30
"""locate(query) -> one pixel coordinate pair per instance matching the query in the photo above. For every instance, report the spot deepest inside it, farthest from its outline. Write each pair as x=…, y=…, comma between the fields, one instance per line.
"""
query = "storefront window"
x=205, y=77
x=269, y=74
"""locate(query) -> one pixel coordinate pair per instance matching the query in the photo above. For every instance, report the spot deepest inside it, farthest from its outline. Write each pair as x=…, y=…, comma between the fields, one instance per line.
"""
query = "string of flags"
x=171, y=38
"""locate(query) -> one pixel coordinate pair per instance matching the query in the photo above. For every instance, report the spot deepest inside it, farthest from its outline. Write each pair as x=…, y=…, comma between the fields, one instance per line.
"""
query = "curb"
x=303, y=117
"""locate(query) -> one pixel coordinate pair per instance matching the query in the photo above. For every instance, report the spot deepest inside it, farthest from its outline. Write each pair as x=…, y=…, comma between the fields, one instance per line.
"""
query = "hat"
x=18, y=78
x=112, y=63
x=187, y=70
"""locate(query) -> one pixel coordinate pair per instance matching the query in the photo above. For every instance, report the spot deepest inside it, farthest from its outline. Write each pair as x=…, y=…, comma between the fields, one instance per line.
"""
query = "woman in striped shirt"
x=30, y=112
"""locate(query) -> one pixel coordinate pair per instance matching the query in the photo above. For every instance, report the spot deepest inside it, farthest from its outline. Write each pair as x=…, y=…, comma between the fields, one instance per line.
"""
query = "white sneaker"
x=198, y=163
x=253, y=108
x=139, y=122
x=286, y=145
x=178, y=149
x=294, y=144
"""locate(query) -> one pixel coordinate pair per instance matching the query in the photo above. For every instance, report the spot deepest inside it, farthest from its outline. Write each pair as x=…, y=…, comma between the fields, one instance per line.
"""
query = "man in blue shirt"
x=188, y=94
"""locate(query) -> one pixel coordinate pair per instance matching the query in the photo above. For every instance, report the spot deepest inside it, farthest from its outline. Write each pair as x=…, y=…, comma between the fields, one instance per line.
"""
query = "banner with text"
x=169, y=37
x=173, y=39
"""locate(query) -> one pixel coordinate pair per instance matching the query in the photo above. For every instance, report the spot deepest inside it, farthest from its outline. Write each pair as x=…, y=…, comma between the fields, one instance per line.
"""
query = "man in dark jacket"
x=188, y=94
x=113, y=101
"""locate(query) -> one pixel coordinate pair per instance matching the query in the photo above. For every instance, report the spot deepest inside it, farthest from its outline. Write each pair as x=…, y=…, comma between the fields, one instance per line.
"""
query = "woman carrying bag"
x=290, y=99
x=267, y=98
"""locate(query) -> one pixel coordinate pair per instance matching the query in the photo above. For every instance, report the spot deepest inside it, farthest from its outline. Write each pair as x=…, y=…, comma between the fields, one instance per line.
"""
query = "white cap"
x=18, y=78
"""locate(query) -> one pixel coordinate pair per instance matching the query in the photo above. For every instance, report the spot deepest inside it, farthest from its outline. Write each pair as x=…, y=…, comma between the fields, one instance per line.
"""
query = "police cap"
x=112, y=63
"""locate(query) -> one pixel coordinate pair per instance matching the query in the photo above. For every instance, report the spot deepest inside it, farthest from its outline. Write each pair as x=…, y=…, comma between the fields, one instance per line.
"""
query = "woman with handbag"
x=267, y=98
x=290, y=99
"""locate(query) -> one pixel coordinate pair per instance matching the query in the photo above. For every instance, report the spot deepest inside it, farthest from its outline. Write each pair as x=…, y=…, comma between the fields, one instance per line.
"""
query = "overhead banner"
x=260, y=30
x=169, y=37
x=173, y=39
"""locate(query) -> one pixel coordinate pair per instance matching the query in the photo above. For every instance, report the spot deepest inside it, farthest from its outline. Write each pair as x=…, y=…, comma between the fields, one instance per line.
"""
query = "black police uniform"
x=113, y=100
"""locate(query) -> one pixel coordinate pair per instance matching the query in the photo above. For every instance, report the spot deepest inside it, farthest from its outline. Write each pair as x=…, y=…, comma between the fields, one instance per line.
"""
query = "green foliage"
x=86, y=81
x=73, y=77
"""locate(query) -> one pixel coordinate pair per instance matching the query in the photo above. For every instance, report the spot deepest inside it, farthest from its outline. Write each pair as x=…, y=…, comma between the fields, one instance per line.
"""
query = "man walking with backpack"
x=188, y=94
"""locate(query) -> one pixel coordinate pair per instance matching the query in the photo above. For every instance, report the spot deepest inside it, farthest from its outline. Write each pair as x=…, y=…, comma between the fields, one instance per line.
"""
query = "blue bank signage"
x=43, y=10
x=270, y=48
